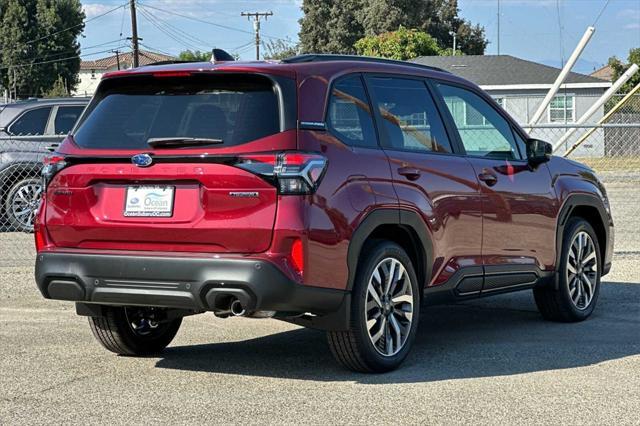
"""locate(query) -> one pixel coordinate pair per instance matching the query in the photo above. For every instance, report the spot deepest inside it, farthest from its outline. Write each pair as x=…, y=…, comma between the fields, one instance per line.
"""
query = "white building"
x=519, y=86
x=91, y=71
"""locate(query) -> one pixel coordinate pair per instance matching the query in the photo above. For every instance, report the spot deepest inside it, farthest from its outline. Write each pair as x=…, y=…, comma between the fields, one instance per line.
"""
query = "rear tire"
x=133, y=331
x=578, y=285
x=384, y=317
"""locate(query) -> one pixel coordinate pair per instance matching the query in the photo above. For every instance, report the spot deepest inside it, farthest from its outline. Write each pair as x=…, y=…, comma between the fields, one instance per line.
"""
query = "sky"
x=544, y=31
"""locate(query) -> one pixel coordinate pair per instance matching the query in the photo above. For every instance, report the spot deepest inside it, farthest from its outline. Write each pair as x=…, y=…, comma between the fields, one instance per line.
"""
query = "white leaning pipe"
x=600, y=102
x=562, y=76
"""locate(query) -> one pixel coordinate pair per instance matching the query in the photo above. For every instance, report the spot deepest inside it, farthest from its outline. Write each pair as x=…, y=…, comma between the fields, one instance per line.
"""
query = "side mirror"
x=538, y=151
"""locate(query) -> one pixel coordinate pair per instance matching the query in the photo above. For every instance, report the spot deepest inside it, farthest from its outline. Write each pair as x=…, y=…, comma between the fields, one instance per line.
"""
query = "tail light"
x=294, y=173
x=51, y=165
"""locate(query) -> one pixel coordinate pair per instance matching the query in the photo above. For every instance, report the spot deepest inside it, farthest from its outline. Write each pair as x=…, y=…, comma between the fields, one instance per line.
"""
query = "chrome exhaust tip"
x=237, y=309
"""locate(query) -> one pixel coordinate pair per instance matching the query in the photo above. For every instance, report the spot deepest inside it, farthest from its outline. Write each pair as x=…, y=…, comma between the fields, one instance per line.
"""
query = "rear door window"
x=66, y=117
x=349, y=116
x=127, y=112
x=31, y=123
x=409, y=115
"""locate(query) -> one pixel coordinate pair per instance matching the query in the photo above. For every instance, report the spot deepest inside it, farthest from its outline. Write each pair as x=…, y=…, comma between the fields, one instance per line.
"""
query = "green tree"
x=280, y=49
x=331, y=26
x=403, y=45
x=334, y=25
x=59, y=89
x=194, y=56
x=54, y=41
x=619, y=68
x=38, y=43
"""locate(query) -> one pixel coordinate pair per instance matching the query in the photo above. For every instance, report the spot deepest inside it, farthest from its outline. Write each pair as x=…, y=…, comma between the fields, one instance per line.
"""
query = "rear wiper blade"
x=181, y=142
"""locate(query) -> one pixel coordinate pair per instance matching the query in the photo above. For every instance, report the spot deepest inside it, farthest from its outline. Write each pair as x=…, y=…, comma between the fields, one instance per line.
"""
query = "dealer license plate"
x=149, y=201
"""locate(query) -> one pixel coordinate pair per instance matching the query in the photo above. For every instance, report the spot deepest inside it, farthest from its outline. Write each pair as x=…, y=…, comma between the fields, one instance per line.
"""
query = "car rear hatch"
x=160, y=162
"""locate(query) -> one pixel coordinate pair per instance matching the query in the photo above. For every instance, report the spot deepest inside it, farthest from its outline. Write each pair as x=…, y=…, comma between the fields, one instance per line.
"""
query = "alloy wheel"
x=24, y=203
x=389, y=307
x=582, y=270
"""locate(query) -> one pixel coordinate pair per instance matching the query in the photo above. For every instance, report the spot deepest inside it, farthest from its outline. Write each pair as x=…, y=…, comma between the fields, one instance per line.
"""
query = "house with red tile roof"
x=91, y=71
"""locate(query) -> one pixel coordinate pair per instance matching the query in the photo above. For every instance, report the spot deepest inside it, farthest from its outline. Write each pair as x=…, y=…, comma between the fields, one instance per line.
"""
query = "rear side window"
x=409, y=115
x=66, y=117
x=349, y=115
x=31, y=123
x=483, y=131
x=127, y=112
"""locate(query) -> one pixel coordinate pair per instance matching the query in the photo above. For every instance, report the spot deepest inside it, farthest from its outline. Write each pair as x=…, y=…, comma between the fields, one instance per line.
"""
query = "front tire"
x=579, y=271
x=22, y=202
x=385, y=312
x=134, y=331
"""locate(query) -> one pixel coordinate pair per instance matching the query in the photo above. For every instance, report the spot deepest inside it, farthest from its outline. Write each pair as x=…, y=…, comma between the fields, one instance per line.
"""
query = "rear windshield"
x=127, y=112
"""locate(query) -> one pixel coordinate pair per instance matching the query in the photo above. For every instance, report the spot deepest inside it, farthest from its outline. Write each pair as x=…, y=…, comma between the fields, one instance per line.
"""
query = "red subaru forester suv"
x=334, y=192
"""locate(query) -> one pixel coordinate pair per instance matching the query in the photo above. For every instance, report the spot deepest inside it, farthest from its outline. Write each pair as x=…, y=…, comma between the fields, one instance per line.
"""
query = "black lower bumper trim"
x=199, y=284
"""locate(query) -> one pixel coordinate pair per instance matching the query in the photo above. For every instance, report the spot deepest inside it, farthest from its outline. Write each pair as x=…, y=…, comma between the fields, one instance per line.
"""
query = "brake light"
x=161, y=74
x=297, y=256
x=294, y=173
x=51, y=165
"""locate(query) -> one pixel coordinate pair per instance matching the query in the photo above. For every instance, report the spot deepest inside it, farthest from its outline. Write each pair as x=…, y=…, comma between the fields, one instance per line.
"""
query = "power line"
x=101, y=44
x=242, y=46
x=167, y=32
x=57, y=60
x=207, y=22
x=560, y=32
x=601, y=12
x=76, y=26
x=124, y=13
x=177, y=31
x=454, y=50
x=155, y=50
x=68, y=52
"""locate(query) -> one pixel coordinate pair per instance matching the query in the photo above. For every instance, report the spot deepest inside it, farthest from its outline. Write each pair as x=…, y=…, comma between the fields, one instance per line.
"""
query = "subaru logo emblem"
x=142, y=160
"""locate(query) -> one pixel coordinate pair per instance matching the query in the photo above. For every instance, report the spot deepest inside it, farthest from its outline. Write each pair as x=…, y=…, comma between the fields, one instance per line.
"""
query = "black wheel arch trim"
x=390, y=216
x=570, y=204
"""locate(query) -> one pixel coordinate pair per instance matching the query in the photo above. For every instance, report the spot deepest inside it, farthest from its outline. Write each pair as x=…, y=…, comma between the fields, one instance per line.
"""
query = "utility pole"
x=454, y=35
x=498, y=27
x=256, y=26
x=15, y=86
x=117, y=52
x=134, y=35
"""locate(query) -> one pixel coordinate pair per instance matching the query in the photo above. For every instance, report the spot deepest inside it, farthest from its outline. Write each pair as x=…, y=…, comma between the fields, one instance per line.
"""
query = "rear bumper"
x=198, y=284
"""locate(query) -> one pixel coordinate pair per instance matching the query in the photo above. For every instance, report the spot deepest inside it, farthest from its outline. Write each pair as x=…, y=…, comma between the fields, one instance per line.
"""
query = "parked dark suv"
x=339, y=193
x=29, y=130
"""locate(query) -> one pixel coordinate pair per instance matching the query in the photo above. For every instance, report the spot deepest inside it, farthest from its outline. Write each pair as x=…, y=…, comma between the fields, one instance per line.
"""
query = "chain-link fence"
x=20, y=189
x=611, y=148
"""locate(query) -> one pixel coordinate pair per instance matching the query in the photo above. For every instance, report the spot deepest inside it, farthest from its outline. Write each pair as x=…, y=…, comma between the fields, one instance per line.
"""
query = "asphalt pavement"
x=483, y=362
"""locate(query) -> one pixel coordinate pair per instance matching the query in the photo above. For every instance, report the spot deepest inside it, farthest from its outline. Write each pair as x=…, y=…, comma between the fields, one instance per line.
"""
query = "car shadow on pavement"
x=497, y=336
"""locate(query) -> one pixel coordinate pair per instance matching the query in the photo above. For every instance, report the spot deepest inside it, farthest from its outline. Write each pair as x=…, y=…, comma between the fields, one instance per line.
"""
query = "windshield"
x=127, y=112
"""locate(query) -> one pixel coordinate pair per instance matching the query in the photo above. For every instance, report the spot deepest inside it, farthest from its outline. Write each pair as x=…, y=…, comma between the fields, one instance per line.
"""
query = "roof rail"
x=316, y=57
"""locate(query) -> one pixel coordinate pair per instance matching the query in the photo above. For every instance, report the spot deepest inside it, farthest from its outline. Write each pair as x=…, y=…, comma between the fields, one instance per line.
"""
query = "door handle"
x=489, y=178
x=410, y=173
